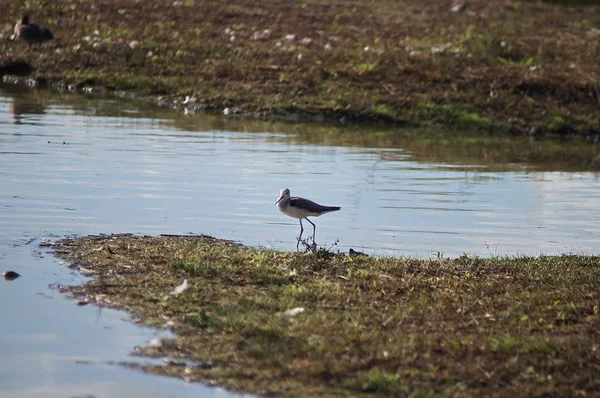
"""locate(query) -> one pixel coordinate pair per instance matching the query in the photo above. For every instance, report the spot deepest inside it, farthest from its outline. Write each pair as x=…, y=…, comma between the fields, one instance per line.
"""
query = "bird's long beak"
x=278, y=200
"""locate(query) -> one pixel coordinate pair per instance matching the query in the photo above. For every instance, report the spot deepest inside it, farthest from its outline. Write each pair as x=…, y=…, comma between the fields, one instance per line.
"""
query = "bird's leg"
x=314, y=229
x=301, y=229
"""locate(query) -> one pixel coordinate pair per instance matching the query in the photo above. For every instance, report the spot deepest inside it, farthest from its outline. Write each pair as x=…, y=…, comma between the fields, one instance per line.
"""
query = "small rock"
x=440, y=49
x=290, y=37
x=264, y=35
x=458, y=7
x=10, y=275
x=306, y=41
x=134, y=45
x=226, y=111
x=294, y=311
x=354, y=253
x=180, y=288
x=189, y=99
x=327, y=47
x=75, y=265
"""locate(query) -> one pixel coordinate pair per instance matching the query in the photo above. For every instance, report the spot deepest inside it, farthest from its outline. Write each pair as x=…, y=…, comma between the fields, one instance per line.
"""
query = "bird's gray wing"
x=311, y=206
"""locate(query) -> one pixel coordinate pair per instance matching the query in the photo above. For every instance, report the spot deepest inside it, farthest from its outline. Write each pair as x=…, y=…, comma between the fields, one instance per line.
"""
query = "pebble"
x=10, y=275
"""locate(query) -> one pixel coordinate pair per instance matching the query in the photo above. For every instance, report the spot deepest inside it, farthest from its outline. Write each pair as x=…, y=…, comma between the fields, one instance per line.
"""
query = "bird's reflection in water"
x=20, y=108
x=24, y=104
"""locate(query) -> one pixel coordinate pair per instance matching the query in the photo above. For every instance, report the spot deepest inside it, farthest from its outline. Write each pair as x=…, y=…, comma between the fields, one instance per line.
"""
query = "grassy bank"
x=300, y=324
x=500, y=65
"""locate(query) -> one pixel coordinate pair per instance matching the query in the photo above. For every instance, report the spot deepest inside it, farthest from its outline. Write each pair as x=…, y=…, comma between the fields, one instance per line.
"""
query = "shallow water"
x=79, y=165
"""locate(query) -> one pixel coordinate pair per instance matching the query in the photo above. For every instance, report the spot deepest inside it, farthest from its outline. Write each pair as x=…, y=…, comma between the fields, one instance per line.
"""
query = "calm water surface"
x=75, y=165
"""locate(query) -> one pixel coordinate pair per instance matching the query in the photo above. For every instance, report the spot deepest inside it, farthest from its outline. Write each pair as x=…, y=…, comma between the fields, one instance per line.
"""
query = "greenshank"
x=301, y=208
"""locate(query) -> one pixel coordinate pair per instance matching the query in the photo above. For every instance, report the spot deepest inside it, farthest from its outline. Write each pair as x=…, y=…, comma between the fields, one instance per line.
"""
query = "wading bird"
x=301, y=208
x=31, y=33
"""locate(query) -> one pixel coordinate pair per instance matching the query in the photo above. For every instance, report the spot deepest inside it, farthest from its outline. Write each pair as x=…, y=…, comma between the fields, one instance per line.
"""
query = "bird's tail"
x=46, y=34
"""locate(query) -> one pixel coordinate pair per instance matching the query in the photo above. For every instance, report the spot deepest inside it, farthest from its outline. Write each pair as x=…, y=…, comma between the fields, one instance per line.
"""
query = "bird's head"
x=284, y=193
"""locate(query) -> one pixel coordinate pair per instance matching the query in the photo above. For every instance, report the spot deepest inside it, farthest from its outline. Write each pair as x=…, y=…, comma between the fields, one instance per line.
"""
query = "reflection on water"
x=77, y=165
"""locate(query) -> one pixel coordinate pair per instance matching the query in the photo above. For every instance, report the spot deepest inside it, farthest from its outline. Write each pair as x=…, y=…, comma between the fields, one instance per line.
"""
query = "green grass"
x=499, y=65
x=367, y=326
x=457, y=115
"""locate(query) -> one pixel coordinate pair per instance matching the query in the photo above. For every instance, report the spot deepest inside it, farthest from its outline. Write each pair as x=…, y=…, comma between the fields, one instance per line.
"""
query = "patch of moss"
x=457, y=115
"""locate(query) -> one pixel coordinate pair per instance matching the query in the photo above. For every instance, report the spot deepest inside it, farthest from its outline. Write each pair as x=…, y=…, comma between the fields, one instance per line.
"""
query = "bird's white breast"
x=293, y=211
